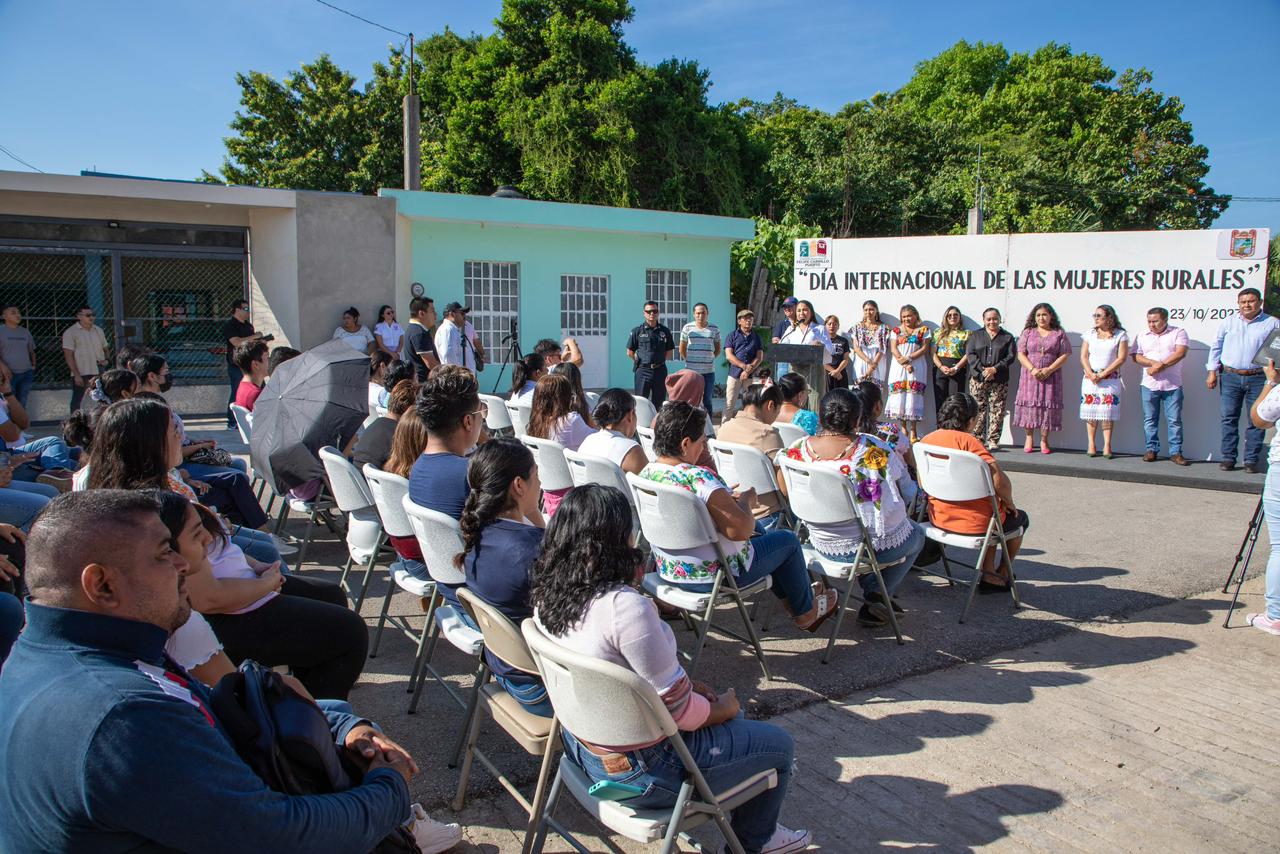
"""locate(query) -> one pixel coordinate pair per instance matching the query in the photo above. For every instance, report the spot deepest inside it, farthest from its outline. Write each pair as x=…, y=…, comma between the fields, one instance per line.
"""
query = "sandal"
x=827, y=603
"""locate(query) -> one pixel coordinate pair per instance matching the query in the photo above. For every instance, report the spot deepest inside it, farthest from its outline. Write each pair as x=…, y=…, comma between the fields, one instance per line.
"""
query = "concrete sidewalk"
x=1140, y=736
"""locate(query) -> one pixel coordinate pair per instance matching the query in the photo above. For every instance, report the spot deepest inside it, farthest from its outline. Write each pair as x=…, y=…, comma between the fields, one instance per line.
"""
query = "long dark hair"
x=173, y=512
x=77, y=429
x=869, y=394
x=574, y=374
x=493, y=467
x=552, y=400
x=586, y=551
x=839, y=411
x=1053, y=316
x=526, y=369
x=131, y=446
x=1111, y=316
x=676, y=422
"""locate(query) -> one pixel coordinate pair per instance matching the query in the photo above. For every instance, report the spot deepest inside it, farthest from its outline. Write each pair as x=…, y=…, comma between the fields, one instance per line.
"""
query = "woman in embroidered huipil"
x=1043, y=349
x=1103, y=350
x=870, y=341
x=908, y=373
x=752, y=553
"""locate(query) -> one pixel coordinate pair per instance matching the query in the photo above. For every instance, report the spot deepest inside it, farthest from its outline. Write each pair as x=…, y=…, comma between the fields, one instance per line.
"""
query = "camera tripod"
x=1243, y=556
x=510, y=355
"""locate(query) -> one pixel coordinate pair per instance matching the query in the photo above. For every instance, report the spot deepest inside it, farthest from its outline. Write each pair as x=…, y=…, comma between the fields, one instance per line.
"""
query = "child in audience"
x=553, y=417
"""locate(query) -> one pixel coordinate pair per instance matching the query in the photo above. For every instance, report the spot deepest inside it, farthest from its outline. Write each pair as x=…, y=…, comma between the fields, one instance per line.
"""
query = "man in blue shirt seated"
x=106, y=744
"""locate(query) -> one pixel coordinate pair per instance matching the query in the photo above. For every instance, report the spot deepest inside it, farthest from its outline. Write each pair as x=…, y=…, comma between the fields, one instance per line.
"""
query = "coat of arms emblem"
x=1243, y=242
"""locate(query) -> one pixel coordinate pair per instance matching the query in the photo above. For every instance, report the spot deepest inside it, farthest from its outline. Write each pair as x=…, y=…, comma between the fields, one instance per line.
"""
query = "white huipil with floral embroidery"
x=697, y=566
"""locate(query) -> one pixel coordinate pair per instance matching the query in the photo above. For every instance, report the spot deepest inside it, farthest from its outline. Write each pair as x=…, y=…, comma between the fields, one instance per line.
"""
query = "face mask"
x=167, y=384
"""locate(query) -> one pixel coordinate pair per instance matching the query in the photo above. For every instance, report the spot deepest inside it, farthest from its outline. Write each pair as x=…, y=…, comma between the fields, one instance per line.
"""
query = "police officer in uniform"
x=649, y=347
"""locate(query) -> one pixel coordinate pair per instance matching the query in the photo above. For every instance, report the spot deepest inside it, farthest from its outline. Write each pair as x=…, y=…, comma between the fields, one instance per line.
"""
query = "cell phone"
x=268, y=338
x=608, y=790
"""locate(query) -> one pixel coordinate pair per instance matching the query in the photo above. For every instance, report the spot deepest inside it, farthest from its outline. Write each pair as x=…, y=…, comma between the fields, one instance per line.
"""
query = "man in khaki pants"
x=84, y=346
x=745, y=351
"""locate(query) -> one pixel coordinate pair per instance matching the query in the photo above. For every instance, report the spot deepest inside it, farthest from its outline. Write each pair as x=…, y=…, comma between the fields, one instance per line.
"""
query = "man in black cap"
x=452, y=344
x=649, y=347
x=787, y=320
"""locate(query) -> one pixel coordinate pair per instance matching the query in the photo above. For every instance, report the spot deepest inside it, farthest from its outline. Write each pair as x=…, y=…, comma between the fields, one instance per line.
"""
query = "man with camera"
x=236, y=331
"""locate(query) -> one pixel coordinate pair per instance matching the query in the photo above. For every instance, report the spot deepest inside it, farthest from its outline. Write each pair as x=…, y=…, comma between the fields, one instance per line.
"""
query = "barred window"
x=670, y=290
x=584, y=305
x=492, y=290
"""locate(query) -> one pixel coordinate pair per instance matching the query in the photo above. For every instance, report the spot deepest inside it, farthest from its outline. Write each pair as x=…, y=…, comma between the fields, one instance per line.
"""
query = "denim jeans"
x=1152, y=401
x=1271, y=508
x=777, y=554
x=230, y=492
x=54, y=454
x=1239, y=393
x=531, y=695
x=258, y=545
x=234, y=375
x=22, y=382
x=909, y=549
x=726, y=753
x=20, y=502
x=708, y=387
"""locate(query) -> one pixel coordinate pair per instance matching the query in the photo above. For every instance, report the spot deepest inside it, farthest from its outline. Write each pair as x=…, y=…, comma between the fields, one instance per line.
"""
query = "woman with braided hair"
x=502, y=534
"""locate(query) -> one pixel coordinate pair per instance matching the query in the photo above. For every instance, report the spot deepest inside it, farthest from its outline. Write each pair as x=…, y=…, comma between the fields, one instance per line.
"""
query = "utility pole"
x=412, y=118
x=975, y=212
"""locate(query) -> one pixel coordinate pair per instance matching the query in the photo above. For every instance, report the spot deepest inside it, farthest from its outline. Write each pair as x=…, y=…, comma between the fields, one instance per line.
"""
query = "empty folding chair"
x=645, y=411
x=602, y=703
x=244, y=426
x=820, y=496
x=675, y=521
x=538, y=736
x=790, y=433
x=553, y=471
x=644, y=435
x=498, y=419
x=519, y=414
x=951, y=475
x=749, y=468
x=364, y=527
x=389, y=491
x=441, y=539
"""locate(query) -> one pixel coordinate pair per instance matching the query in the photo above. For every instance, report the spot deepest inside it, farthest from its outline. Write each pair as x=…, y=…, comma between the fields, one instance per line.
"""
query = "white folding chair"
x=791, y=433
x=441, y=539
x=588, y=468
x=592, y=400
x=602, y=703
x=519, y=415
x=499, y=419
x=645, y=410
x=749, y=468
x=644, y=435
x=389, y=491
x=244, y=425
x=364, y=527
x=553, y=471
x=951, y=475
x=674, y=520
x=315, y=509
x=820, y=496
x=538, y=736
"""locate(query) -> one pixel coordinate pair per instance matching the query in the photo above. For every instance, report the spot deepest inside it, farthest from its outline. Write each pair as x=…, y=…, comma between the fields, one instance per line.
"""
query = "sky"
x=148, y=87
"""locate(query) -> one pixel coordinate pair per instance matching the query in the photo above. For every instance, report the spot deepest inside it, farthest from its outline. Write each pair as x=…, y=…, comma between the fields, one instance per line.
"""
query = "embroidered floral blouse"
x=892, y=434
x=698, y=565
x=873, y=469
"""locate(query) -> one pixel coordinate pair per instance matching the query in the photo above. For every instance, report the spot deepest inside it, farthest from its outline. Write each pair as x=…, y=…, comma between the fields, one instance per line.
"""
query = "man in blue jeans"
x=1238, y=341
x=1160, y=351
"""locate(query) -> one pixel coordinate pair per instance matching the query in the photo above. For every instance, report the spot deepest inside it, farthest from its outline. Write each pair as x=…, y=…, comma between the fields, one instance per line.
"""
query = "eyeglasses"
x=88, y=314
x=650, y=311
x=483, y=411
x=1099, y=316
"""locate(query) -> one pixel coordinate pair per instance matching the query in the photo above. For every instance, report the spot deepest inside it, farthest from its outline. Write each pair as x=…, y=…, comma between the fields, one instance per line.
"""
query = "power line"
x=20, y=160
x=359, y=18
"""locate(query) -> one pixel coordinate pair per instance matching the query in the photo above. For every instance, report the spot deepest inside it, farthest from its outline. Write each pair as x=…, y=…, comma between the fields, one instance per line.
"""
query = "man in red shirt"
x=251, y=359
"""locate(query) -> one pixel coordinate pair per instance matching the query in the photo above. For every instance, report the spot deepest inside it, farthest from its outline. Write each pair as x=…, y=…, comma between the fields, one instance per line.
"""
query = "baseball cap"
x=790, y=301
x=746, y=312
x=456, y=306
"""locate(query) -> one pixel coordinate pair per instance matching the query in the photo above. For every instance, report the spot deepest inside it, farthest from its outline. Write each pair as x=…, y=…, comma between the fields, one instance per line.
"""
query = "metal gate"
x=172, y=298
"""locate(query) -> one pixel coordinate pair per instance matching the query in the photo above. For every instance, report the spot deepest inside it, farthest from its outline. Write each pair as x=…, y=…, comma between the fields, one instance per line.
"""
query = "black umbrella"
x=316, y=399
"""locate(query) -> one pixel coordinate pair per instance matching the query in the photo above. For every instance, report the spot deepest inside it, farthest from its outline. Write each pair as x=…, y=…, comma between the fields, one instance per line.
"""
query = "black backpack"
x=285, y=739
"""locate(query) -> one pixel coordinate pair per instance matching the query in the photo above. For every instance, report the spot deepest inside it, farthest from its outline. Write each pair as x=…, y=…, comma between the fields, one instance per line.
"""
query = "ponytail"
x=524, y=370
x=493, y=467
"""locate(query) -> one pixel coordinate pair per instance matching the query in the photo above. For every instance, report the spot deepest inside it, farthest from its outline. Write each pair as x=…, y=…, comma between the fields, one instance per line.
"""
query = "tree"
x=774, y=245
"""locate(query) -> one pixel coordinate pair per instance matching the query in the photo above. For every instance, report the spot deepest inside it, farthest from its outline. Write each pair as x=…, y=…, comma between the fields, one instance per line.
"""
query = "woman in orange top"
x=956, y=421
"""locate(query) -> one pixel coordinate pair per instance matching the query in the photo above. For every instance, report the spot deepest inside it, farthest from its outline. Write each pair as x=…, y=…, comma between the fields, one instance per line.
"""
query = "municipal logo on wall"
x=1242, y=244
x=813, y=254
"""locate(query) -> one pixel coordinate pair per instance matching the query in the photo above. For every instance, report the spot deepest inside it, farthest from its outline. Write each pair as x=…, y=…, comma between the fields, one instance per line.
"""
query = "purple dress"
x=1039, y=403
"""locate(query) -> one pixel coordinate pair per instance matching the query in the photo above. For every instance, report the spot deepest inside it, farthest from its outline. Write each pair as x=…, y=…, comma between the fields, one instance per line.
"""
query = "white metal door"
x=584, y=314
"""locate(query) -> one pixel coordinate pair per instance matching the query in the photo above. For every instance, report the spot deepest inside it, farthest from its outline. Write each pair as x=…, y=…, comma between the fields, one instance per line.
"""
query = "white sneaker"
x=435, y=836
x=785, y=841
x=285, y=548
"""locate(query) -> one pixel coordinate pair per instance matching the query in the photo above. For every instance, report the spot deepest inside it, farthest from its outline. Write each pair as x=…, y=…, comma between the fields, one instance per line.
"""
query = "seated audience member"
x=373, y=446
x=106, y=745
x=378, y=363
x=616, y=415
x=870, y=422
x=396, y=373
x=753, y=427
x=573, y=374
x=46, y=461
x=553, y=417
x=795, y=397
x=501, y=533
x=251, y=359
x=126, y=354
x=524, y=377
x=12, y=589
x=679, y=440
x=583, y=596
x=956, y=422
x=407, y=445
x=687, y=386
x=450, y=408
x=882, y=493
x=280, y=355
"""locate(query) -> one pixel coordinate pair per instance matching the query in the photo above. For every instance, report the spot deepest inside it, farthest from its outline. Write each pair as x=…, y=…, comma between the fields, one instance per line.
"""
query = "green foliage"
x=1272, y=295
x=774, y=245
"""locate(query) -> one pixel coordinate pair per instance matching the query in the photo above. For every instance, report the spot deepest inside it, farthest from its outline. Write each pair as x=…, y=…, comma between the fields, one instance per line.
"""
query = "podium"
x=805, y=360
